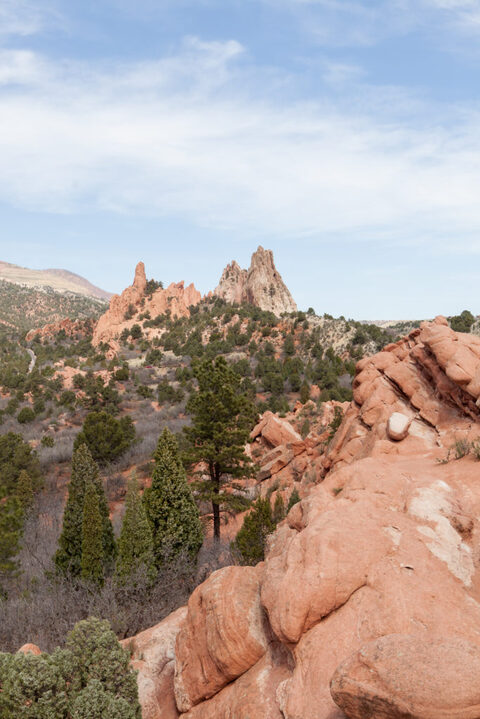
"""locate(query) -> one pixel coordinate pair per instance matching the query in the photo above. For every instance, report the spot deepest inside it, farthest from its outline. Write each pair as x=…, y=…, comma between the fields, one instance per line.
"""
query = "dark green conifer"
x=135, y=546
x=249, y=544
x=25, y=491
x=278, y=509
x=69, y=554
x=92, y=560
x=169, y=504
x=294, y=498
x=222, y=418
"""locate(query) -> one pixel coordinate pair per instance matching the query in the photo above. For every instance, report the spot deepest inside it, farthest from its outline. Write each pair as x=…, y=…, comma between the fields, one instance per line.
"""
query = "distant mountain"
x=56, y=280
x=23, y=308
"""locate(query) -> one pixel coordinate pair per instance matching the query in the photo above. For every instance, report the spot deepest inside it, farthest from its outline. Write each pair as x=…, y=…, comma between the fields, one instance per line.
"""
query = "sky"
x=343, y=135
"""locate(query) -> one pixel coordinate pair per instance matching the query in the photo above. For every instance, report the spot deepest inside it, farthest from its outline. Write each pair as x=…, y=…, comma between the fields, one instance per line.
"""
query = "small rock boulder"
x=30, y=649
x=410, y=677
x=398, y=426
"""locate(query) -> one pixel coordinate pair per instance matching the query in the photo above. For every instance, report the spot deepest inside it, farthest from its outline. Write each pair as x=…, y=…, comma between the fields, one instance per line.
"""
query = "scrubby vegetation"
x=23, y=308
x=115, y=472
x=89, y=678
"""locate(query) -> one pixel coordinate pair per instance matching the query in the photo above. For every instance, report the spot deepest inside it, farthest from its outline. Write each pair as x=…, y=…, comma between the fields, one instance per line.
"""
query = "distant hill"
x=23, y=308
x=57, y=280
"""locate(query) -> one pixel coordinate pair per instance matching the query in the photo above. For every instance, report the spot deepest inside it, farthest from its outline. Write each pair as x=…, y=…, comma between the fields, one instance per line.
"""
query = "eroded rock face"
x=432, y=377
x=223, y=635
x=72, y=328
x=400, y=676
x=153, y=655
x=261, y=285
x=385, y=543
x=124, y=308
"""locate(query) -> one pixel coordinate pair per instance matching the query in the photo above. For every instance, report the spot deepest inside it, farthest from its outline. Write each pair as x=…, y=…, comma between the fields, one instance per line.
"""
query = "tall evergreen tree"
x=169, y=503
x=25, y=491
x=222, y=417
x=92, y=560
x=11, y=521
x=135, y=546
x=69, y=554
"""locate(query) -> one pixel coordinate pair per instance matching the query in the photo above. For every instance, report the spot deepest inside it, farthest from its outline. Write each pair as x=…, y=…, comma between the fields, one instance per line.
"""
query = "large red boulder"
x=223, y=635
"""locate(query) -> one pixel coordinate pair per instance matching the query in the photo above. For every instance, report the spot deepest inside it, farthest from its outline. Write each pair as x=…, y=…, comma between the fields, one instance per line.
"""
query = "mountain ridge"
x=59, y=280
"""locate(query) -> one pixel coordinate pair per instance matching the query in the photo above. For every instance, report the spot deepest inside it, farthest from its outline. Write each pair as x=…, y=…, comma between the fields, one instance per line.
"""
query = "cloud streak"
x=182, y=137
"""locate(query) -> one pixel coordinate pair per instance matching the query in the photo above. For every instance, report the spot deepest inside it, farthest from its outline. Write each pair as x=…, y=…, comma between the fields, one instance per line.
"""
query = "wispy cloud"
x=182, y=137
x=343, y=23
x=21, y=17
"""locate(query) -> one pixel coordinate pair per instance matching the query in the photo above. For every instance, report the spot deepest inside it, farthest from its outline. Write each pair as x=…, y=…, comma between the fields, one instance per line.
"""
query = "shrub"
x=135, y=332
x=461, y=448
x=121, y=375
x=462, y=322
x=47, y=441
x=89, y=679
x=249, y=544
x=106, y=437
x=15, y=455
x=294, y=499
x=25, y=415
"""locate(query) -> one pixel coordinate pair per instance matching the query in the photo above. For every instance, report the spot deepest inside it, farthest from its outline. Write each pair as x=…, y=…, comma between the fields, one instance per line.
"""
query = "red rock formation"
x=72, y=328
x=153, y=654
x=261, y=285
x=373, y=579
x=30, y=649
x=125, y=308
x=399, y=676
x=232, y=284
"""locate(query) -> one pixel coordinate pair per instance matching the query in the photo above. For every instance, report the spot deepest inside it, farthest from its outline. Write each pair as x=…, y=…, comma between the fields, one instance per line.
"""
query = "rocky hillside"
x=57, y=280
x=261, y=285
x=148, y=299
x=367, y=604
x=23, y=308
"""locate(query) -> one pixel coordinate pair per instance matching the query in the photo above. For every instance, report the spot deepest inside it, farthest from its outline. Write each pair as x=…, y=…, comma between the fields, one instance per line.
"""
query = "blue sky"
x=344, y=135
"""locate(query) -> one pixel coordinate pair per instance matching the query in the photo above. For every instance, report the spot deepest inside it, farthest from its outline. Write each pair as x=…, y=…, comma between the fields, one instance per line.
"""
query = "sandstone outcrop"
x=261, y=285
x=368, y=602
x=153, y=655
x=223, y=635
x=124, y=309
x=404, y=676
x=72, y=328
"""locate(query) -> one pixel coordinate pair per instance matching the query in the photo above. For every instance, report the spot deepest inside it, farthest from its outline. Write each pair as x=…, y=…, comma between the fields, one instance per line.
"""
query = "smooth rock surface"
x=223, y=635
x=410, y=677
x=398, y=426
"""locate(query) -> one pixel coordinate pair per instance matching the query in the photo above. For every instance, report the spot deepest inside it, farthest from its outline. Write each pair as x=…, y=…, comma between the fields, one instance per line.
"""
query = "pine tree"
x=294, y=498
x=25, y=491
x=250, y=541
x=222, y=417
x=278, y=509
x=92, y=559
x=169, y=504
x=135, y=546
x=11, y=521
x=69, y=554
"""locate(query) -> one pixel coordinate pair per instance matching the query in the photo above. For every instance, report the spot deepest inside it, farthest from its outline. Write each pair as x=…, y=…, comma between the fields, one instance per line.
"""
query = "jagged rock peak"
x=140, y=280
x=124, y=309
x=260, y=285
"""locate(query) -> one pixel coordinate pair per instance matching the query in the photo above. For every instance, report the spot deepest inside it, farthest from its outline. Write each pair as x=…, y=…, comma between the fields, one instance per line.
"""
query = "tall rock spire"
x=261, y=285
